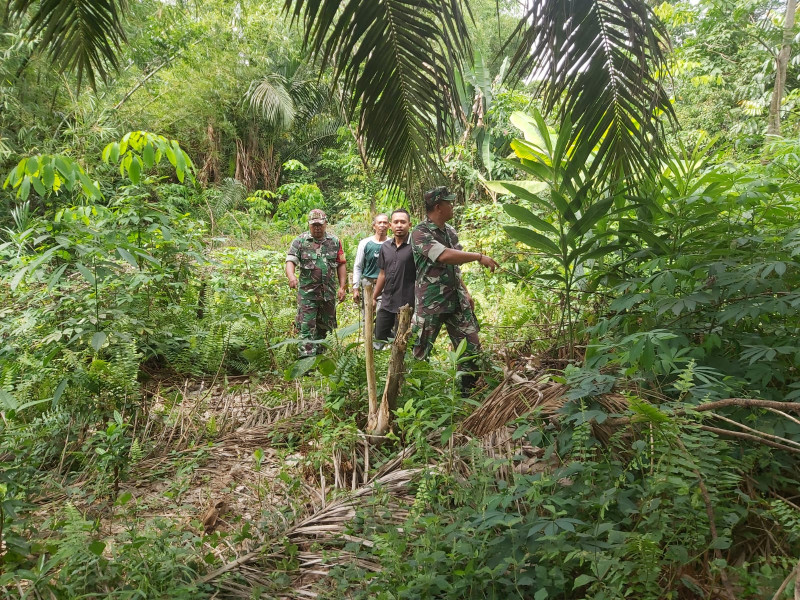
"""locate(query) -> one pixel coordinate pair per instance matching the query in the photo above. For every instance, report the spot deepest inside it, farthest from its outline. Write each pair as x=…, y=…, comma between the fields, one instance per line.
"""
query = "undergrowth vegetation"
x=694, y=298
x=635, y=430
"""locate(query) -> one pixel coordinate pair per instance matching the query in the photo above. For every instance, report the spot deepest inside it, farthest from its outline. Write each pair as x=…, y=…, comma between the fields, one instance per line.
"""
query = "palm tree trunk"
x=781, y=62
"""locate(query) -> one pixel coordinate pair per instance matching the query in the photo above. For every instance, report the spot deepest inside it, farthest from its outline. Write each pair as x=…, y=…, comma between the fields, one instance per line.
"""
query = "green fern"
x=787, y=516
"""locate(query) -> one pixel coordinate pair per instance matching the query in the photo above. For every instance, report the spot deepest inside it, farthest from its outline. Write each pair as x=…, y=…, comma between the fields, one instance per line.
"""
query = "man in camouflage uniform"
x=320, y=259
x=440, y=295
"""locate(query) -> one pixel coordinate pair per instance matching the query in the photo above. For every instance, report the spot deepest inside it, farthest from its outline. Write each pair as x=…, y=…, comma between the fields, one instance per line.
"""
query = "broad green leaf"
x=56, y=277
x=32, y=165
x=562, y=205
x=127, y=256
x=498, y=187
x=484, y=143
x=148, y=155
x=180, y=161
x=601, y=251
x=123, y=499
x=89, y=188
x=521, y=213
x=533, y=239
x=135, y=170
x=326, y=365
x=562, y=142
x=591, y=250
x=299, y=367
x=60, y=390
x=534, y=129
x=38, y=186
x=48, y=176
x=533, y=168
x=590, y=218
x=98, y=339
x=15, y=281
x=64, y=165
x=582, y=580
x=97, y=547
x=147, y=257
x=531, y=153
x=25, y=405
x=87, y=274
x=349, y=330
x=524, y=194
x=25, y=188
x=15, y=176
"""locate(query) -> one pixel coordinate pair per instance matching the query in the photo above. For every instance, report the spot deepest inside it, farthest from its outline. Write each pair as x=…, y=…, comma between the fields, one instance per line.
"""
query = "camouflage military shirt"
x=316, y=263
x=438, y=286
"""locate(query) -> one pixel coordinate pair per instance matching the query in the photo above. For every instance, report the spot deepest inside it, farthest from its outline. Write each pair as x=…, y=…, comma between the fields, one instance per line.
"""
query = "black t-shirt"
x=400, y=273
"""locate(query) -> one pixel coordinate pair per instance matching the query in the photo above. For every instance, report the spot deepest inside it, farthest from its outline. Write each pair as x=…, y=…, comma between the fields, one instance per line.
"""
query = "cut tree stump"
x=379, y=422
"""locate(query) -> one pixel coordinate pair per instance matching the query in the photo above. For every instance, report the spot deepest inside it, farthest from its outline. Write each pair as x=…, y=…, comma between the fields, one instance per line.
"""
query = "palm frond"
x=81, y=35
x=318, y=132
x=270, y=97
x=601, y=62
x=396, y=60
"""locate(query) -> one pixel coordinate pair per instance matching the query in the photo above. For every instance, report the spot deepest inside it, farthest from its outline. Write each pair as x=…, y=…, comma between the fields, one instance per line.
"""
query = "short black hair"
x=402, y=210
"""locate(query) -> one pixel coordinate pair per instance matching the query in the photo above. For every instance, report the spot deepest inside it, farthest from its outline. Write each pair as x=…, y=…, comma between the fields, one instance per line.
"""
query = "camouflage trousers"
x=315, y=318
x=460, y=325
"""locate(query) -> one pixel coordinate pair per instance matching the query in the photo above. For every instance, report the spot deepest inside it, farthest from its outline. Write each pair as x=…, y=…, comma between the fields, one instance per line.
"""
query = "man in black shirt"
x=396, y=276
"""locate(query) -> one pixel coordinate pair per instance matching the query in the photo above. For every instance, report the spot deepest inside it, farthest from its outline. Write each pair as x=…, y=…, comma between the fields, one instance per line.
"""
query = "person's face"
x=317, y=230
x=445, y=208
x=381, y=225
x=400, y=225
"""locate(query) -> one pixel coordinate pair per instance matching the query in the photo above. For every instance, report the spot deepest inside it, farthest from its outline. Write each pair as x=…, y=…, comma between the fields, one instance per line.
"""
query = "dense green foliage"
x=147, y=353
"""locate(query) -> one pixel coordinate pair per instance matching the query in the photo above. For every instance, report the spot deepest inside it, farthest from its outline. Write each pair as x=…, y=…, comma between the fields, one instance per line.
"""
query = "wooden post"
x=394, y=375
x=372, y=389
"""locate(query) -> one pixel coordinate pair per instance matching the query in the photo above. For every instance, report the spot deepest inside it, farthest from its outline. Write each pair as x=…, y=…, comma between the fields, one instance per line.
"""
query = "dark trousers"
x=384, y=325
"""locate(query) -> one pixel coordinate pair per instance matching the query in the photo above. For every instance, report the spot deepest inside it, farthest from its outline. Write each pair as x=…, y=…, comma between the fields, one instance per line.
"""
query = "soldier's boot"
x=468, y=383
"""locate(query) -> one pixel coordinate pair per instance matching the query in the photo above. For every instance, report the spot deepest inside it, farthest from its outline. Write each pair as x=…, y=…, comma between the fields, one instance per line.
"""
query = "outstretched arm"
x=449, y=256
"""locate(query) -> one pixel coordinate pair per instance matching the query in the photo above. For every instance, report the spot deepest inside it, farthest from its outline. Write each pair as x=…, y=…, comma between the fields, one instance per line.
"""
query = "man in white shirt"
x=366, y=265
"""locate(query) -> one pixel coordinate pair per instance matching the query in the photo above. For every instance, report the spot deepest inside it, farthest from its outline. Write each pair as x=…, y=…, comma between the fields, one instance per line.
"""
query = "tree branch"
x=148, y=76
x=756, y=431
x=750, y=437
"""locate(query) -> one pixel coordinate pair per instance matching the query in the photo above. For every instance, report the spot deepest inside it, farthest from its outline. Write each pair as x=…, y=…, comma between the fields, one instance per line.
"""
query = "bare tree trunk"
x=358, y=137
x=372, y=389
x=394, y=376
x=781, y=62
x=211, y=170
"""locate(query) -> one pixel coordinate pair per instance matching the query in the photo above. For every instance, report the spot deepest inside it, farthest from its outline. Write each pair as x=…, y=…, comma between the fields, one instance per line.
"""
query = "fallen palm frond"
x=517, y=396
x=514, y=397
x=326, y=525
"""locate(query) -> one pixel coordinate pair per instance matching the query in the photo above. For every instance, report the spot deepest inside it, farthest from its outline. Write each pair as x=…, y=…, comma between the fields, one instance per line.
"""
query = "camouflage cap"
x=436, y=195
x=317, y=216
